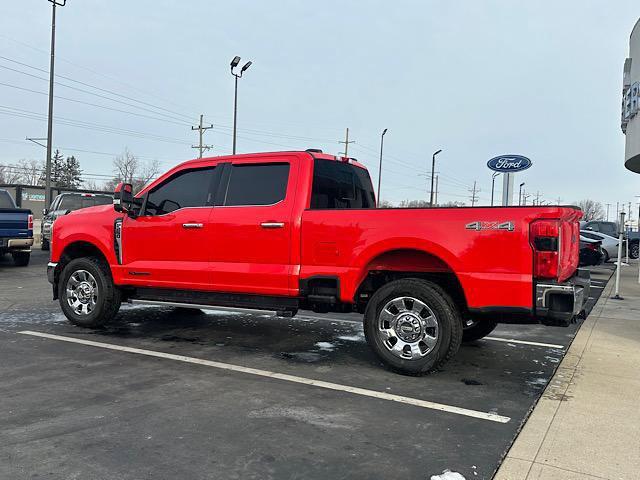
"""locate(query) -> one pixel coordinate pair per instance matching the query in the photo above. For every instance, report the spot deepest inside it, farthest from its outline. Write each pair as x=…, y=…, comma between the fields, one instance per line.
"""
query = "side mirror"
x=45, y=211
x=123, y=200
x=589, y=228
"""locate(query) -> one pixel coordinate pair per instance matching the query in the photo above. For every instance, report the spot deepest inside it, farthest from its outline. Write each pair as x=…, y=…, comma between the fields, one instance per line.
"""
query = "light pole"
x=47, y=189
x=380, y=166
x=493, y=184
x=520, y=194
x=234, y=64
x=433, y=168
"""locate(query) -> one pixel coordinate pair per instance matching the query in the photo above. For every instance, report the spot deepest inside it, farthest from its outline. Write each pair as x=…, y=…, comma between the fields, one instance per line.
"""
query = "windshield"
x=76, y=202
x=5, y=200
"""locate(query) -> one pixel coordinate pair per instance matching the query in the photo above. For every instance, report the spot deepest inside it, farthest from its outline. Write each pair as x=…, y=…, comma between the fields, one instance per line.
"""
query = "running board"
x=206, y=307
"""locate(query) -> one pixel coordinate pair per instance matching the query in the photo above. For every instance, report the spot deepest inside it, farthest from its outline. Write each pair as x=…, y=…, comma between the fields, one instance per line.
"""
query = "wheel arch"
x=76, y=249
x=397, y=263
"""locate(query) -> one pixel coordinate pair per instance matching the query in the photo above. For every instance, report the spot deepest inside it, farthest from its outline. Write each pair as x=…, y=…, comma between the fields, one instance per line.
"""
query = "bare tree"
x=127, y=168
x=591, y=210
x=94, y=186
x=32, y=171
x=24, y=171
x=10, y=174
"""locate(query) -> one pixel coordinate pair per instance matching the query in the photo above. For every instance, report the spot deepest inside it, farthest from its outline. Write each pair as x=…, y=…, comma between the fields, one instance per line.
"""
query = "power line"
x=93, y=86
x=93, y=104
x=17, y=112
x=94, y=94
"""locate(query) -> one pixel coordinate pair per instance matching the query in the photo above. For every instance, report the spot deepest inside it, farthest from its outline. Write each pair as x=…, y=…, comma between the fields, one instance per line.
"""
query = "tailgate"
x=14, y=223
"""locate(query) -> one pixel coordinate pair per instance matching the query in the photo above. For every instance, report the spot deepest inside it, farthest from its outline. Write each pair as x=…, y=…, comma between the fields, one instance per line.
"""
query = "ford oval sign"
x=509, y=163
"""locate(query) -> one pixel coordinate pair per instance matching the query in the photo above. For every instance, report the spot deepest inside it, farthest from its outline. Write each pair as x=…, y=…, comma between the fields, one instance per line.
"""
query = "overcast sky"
x=475, y=78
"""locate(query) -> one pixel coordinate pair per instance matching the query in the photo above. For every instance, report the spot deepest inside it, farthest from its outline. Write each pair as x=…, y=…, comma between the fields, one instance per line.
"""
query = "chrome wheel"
x=408, y=328
x=82, y=292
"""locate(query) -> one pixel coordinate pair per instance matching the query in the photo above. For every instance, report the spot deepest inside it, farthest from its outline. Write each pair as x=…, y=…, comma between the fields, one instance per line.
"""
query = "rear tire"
x=477, y=329
x=413, y=326
x=634, y=250
x=87, y=294
x=21, y=259
x=606, y=256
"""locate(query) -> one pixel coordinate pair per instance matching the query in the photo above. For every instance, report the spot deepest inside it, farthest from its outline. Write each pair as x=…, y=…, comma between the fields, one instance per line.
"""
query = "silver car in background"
x=609, y=243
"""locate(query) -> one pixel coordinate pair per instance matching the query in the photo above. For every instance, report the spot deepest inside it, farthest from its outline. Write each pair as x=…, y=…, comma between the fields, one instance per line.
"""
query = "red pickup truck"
x=300, y=230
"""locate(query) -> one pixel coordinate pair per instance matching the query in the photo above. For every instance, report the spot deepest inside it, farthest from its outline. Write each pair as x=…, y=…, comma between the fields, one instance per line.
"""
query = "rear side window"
x=254, y=184
x=5, y=200
x=590, y=236
x=188, y=188
x=76, y=202
x=341, y=185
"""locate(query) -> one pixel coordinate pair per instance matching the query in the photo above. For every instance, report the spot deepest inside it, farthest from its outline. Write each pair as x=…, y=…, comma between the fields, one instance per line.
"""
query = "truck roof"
x=313, y=153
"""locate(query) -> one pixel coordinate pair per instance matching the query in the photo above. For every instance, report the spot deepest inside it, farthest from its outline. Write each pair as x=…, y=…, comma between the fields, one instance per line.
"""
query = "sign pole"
x=619, y=266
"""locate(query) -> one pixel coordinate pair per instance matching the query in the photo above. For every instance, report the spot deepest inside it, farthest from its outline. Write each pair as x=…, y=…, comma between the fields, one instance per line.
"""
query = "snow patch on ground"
x=326, y=346
x=352, y=338
x=448, y=475
x=310, y=415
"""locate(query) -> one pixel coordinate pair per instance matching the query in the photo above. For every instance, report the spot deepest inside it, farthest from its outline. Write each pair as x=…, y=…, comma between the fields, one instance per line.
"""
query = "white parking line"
x=523, y=342
x=282, y=376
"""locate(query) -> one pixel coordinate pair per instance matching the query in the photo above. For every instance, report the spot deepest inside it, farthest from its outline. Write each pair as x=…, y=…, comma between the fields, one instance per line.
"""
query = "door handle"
x=272, y=224
x=192, y=225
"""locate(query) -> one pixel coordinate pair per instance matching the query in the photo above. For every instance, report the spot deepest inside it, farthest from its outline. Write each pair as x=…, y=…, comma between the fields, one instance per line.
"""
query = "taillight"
x=544, y=236
x=30, y=222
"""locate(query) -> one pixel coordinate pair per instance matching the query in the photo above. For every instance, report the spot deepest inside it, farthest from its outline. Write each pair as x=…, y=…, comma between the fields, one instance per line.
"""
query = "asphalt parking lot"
x=165, y=394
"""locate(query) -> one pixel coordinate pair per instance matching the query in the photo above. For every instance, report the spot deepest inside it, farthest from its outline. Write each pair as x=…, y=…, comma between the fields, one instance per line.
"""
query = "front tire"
x=634, y=250
x=87, y=294
x=477, y=329
x=606, y=256
x=44, y=245
x=21, y=259
x=413, y=326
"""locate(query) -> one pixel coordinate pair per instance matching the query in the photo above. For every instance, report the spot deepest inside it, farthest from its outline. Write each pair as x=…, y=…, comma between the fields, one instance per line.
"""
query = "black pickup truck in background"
x=16, y=230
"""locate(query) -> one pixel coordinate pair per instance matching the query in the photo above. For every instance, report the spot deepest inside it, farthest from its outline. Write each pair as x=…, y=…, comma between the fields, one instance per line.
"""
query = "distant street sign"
x=509, y=163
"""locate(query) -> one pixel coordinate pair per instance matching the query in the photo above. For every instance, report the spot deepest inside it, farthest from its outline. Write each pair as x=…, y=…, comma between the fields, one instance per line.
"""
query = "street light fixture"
x=493, y=184
x=433, y=168
x=234, y=63
x=520, y=194
x=380, y=166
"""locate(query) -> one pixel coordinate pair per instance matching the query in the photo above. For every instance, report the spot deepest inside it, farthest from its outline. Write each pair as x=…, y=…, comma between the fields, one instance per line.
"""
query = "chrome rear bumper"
x=560, y=304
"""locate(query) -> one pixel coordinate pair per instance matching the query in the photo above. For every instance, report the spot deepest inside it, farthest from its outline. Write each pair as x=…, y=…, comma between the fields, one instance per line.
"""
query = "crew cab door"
x=166, y=245
x=251, y=251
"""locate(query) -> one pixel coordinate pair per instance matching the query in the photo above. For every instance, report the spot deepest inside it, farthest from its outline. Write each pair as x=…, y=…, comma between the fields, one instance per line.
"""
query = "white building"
x=631, y=102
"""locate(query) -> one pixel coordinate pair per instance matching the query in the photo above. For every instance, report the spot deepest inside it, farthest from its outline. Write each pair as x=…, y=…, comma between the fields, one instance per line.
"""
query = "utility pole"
x=474, y=191
x=201, y=129
x=608, y=205
x=346, y=143
x=47, y=189
x=537, y=200
x=559, y=200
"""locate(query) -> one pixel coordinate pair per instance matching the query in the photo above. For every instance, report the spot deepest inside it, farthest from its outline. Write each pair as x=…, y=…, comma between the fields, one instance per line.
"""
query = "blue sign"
x=509, y=163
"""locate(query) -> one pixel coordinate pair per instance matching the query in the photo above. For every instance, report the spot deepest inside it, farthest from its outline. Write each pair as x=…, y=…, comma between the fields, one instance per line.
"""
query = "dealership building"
x=630, y=120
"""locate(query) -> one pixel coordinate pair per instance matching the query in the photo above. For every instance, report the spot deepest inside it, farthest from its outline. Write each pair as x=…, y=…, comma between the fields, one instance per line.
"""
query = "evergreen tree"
x=57, y=169
x=71, y=173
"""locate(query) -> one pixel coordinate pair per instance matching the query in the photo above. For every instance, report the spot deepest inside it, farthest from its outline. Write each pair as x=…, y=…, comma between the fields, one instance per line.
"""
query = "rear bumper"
x=559, y=304
x=16, y=244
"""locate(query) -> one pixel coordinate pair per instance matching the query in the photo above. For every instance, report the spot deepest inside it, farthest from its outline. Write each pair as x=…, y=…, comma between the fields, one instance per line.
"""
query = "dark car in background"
x=66, y=203
x=590, y=252
x=16, y=230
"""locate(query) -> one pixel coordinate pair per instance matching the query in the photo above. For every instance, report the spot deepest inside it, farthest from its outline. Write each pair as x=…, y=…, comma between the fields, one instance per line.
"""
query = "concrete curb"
x=522, y=460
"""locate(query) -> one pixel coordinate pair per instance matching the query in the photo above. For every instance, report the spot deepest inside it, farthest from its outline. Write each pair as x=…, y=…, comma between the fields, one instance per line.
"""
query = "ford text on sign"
x=509, y=163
